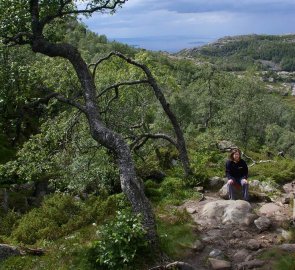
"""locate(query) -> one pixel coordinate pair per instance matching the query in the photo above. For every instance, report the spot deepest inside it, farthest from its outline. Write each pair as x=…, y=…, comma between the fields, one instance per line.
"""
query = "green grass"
x=176, y=231
x=278, y=260
x=280, y=171
x=65, y=253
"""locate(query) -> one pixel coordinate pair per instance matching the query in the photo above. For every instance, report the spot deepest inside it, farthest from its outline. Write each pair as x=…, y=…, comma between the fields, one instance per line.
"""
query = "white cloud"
x=195, y=19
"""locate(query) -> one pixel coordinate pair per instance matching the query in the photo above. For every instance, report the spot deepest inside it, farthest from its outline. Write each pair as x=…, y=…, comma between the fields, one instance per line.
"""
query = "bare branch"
x=107, y=6
x=72, y=102
x=60, y=98
x=117, y=85
x=254, y=162
x=147, y=136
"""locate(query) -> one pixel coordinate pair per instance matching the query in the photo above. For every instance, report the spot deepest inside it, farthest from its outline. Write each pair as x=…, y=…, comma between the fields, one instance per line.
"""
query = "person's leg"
x=245, y=187
x=230, y=189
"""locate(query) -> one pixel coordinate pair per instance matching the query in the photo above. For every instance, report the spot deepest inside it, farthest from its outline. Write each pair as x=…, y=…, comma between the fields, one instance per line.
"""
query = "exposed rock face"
x=227, y=212
x=7, y=251
x=225, y=146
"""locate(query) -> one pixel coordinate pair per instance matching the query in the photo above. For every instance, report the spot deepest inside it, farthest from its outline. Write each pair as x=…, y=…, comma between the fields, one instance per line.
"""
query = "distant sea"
x=170, y=44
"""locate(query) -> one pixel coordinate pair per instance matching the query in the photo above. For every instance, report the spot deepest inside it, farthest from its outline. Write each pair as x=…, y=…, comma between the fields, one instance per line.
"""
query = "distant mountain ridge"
x=239, y=52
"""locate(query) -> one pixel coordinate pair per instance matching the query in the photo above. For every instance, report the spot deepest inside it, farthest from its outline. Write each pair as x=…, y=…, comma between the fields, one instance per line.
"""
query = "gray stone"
x=198, y=245
x=216, y=253
x=241, y=255
x=289, y=188
x=275, y=211
x=226, y=212
x=253, y=244
x=191, y=210
x=287, y=247
x=287, y=235
x=215, y=183
x=253, y=264
x=286, y=199
x=237, y=234
x=217, y=264
x=7, y=251
x=225, y=146
x=262, y=223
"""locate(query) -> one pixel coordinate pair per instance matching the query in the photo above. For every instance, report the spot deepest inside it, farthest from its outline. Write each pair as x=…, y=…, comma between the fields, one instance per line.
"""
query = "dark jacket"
x=237, y=170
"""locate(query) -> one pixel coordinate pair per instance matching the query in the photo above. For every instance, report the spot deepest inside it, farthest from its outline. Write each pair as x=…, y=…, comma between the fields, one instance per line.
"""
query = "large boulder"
x=227, y=212
x=225, y=146
x=215, y=183
x=275, y=211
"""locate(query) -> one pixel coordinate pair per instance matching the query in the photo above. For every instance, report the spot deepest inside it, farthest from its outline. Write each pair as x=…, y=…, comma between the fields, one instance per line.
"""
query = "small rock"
x=216, y=253
x=216, y=183
x=237, y=234
x=262, y=223
x=198, y=245
x=199, y=189
x=191, y=210
x=245, y=234
x=286, y=199
x=241, y=255
x=287, y=247
x=287, y=235
x=253, y=264
x=219, y=264
x=253, y=244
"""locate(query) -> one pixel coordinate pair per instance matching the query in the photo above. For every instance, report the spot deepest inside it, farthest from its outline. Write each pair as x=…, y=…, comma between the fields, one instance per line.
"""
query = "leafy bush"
x=119, y=242
x=280, y=171
x=8, y=222
x=61, y=214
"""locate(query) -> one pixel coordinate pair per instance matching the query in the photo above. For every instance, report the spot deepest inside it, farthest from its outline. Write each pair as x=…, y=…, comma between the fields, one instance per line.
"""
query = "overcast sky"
x=171, y=25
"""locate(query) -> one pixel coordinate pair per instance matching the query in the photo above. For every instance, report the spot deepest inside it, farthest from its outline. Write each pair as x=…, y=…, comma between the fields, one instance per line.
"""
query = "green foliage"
x=61, y=214
x=242, y=52
x=278, y=259
x=280, y=171
x=280, y=139
x=119, y=241
x=172, y=190
x=8, y=222
x=175, y=229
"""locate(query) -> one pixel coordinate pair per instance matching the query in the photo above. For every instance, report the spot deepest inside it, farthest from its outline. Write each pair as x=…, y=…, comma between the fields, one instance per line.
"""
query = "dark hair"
x=233, y=151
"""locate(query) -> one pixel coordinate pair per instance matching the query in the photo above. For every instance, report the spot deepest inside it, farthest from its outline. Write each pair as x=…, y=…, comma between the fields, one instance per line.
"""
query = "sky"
x=172, y=25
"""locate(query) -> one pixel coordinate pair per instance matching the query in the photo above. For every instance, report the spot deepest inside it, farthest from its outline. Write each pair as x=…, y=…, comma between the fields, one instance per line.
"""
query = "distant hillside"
x=267, y=52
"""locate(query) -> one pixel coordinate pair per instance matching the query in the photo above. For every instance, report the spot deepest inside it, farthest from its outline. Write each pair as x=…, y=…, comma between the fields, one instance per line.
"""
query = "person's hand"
x=230, y=181
x=244, y=181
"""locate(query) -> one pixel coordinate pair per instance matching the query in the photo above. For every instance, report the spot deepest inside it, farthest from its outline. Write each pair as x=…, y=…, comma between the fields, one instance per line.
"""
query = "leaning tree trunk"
x=108, y=138
x=128, y=179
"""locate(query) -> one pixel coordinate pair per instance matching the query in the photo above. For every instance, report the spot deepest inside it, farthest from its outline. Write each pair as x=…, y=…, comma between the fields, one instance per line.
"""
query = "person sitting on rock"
x=237, y=174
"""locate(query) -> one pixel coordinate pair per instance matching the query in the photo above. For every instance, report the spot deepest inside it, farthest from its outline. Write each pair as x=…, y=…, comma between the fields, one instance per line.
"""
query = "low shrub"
x=119, y=242
x=61, y=214
x=280, y=171
x=8, y=222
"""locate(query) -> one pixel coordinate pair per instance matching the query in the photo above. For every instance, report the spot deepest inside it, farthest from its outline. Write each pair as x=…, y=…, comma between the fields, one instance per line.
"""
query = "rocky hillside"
x=267, y=52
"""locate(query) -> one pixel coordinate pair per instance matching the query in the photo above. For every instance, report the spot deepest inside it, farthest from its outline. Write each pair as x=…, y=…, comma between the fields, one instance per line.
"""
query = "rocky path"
x=232, y=234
